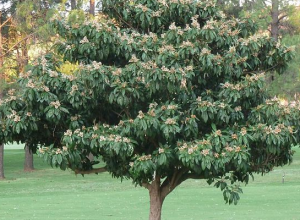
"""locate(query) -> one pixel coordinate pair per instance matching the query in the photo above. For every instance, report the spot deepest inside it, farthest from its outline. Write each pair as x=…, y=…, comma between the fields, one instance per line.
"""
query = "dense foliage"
x=165, y=91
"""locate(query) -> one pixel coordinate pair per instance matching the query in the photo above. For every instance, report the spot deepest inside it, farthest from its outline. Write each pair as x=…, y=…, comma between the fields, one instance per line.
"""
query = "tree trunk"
x=1, y=78
x=1, y=161
x=28, y=163
x=73, y=4
x=158, y=191
x=24, y=57
x=156, y=200
x=1, y=49
x=275, y=19
x=92, y=7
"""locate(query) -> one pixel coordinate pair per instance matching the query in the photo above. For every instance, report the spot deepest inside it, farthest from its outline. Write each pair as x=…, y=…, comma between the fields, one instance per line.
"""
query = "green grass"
x=60, y=195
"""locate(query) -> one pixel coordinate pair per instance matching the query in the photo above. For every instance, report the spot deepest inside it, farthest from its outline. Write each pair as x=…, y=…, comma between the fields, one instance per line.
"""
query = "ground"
x=57, y=195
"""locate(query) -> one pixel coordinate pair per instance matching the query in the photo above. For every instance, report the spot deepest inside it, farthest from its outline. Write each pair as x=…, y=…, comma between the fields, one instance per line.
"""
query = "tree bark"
x=24, y=57
x=275, y=19
x=1, y=161
x=158, y=192
x=156, y=200
x=73, y=4
x=1, y=76
x=1, y=48
x=28, y=163
x=92, y=7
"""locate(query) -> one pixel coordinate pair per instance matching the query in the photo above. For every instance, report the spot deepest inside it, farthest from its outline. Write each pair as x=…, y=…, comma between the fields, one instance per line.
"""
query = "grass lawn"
x=60, y=195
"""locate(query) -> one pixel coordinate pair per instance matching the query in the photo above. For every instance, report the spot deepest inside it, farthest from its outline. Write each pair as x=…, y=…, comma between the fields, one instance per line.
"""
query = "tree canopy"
x=165, y=91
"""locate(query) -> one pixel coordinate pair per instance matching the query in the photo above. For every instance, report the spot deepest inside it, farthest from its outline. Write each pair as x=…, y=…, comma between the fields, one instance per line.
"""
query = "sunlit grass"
x=58, y=195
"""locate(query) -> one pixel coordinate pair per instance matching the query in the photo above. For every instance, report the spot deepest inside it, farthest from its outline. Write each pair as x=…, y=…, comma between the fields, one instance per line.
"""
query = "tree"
x=165, y=91
x=73, y=4
x=1, y=149
x=92, y=7
x=271, y=15
x=1, y=96
x=294, y=21
x=26, y=24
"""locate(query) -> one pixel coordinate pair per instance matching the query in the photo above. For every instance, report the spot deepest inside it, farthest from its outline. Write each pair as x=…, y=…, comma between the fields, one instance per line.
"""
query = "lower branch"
x=93, y=171
x=172, y=182
x=146, y=185
x=190, y=176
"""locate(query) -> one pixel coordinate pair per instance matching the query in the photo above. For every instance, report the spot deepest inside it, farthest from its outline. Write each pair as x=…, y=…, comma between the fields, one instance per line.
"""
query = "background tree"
x=166, y=91
x=2, y=82
x=28, y=25
x=73, y=4
x=271, y=15
x=92, y=7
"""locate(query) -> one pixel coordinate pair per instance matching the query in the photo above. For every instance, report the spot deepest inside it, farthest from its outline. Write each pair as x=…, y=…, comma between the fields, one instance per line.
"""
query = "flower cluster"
x=237, y=87
x=134, y=59
x=186, y=44
x=205, y=51
x=206, y=103
x=183, y=146
x=238, y=109
x=68, y=133
x=166, y=48
x=218, y=133
x=74, y=118
x=45, y=88
x=79, y=133
x=172, y=26
x=276, y=130
x=53, y=73
x=205, y=152
x=117, y=72
x=243, y=131
x=151, y=113
x=56, y=104
x=145, y=157
x=84, y=40
x=115, y=138
x=192, y=149
x=234, y=136
x=195, y=23
x=30, y=84
x=14, y=116
x=170, y=121
x=74, y=88
x=141, y=115
x=96, y=65
x=161, y=150
x=142, y=7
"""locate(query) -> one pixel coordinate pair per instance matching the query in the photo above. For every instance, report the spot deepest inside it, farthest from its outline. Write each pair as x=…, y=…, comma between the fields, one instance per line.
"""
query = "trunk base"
x=28, y=163
x=2, y=162
x=156, y=200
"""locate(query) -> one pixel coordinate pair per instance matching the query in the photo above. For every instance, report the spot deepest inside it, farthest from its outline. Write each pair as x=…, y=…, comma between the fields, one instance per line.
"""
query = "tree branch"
x=146, y=185
x=154, y=143
x=16, y=44
x=282, y=17
x=93, y=171
x=190, y=176
x=262, y=71
x=120, y=17
x=7, y=20
x=171, y=183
